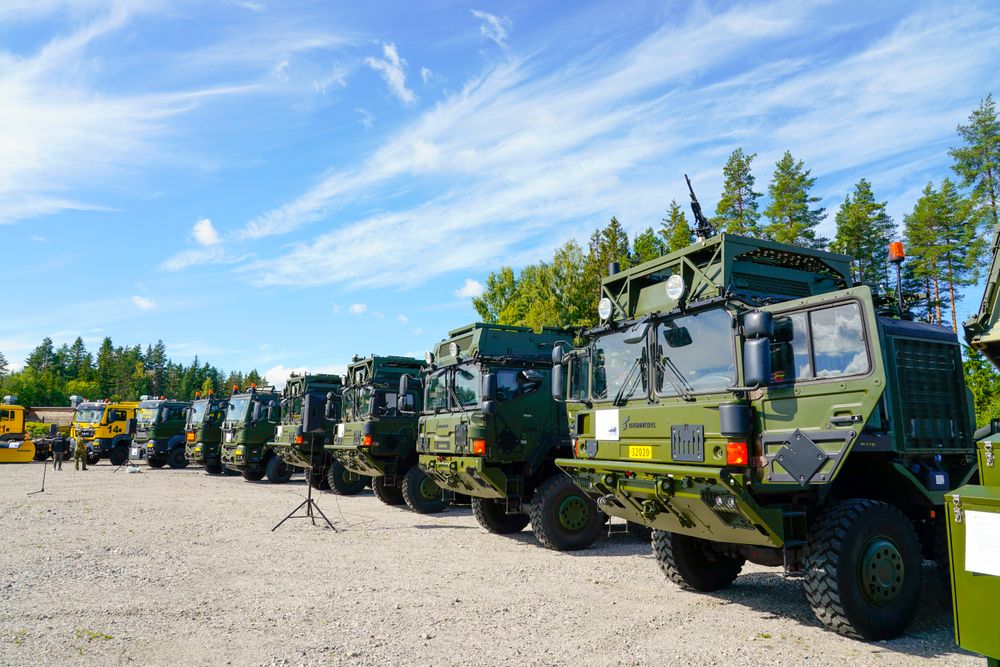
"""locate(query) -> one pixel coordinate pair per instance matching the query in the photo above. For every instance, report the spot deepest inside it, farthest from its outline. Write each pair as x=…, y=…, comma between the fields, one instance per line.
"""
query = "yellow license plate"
x=197, y=450
x=149, y=446
x=640, y=452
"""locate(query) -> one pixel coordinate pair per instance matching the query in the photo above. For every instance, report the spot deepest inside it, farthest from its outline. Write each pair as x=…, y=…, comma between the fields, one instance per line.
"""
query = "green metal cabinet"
x=974, y=539
x=988, y=453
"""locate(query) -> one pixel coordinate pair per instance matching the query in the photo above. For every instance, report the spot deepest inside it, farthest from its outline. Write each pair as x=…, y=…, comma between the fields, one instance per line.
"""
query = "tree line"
x=121, y=373
x=944, y=235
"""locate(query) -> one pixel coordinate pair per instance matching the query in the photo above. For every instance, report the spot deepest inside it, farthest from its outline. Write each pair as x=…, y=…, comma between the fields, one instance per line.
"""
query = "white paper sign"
x=606, y=426
x=982, y=543
x=340, y=430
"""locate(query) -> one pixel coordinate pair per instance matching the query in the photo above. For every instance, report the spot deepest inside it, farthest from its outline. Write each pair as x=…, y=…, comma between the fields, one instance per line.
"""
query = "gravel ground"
x=173, y=567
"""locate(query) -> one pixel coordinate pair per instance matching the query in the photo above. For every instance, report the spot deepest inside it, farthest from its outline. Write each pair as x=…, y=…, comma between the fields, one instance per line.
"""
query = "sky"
x=282, y=184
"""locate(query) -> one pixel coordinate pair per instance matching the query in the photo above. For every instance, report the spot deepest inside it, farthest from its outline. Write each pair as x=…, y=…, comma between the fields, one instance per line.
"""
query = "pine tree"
x=42, y=357
x=792, y=219
x=978, y=160
x=79, y=360
x=864, y=231
x=607, y=244
x=647, y=246
x=737, y=210
x=961, y=245
x=921, y=231
x=675, y=230
x=105, y=368
x=4, y=370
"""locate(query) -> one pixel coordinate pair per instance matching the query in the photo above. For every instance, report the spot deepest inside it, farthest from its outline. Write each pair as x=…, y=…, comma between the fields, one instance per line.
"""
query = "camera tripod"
x=312, y=509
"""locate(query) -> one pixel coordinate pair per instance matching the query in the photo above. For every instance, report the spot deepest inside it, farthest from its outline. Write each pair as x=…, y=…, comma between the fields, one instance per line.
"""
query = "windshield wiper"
x=629, y=383
x=678, y=381
x=454, y=395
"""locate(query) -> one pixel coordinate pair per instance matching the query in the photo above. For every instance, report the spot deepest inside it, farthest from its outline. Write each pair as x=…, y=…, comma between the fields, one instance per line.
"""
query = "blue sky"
x=283, y=184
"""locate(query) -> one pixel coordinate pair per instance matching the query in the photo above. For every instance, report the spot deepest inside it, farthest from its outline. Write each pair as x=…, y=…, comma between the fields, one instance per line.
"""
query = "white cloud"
x=280, y=71
x=378, y=315
x=392, y=68
x=337, y=78
x=470, y=289
x=494, y=28
x=278, y=375
x=426, y=74
x=143, y=303
x=403, y=319
x=38, y=239
x=367, y=120
x=216, y=254
x=416, y=332
x=204, y=233
x=358, y=308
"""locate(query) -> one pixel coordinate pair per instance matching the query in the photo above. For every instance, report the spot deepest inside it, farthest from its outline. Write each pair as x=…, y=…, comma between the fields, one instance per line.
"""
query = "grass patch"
x=20, y=636
x=91, y=635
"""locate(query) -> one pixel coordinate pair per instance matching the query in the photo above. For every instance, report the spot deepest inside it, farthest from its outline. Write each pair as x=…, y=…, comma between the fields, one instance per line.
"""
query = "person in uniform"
x=58, y=452
x=80, y=454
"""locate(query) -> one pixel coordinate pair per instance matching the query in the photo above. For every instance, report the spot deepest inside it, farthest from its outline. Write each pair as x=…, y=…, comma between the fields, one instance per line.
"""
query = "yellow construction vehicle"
x=105, y=428
x=15, y=446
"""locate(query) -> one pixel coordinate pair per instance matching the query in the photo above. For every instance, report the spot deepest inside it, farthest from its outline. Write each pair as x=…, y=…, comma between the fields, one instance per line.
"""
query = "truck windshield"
x=198, y=411
x=694, y=354
x=619, y=368
x=237, y=410
x=453, y=388
x=291, y=410
x=468, y=380
x=147, y=415
x=89, y=415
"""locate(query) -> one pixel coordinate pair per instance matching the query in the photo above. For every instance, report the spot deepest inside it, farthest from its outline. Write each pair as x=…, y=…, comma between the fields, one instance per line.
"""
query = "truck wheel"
x=862, y=569
x=694, y=563
x=214, y=468
x=278, y=472
x=421, y=494
x=343, y=482
x=92, y=459
x=118, y=455
x=563, y=517
x=253, y=475
x=491, y=516
x=154, y=462
x=390, y=495
x=176, y=458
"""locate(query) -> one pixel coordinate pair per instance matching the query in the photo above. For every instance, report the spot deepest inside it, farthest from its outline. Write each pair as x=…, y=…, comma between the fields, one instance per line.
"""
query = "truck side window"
x=790, y=349
x=838, y=341
x=579, y=375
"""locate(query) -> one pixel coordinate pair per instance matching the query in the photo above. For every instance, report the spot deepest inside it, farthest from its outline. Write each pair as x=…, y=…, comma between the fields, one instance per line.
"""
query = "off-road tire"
x=92, y=459
x=856, y=535
x=176, y=459
x=390, y=495
x=563, y=517
x=253, y=475
x=277, y=471
x=343, y=482
x=693, y=563
x=491, y=515
x=118, y=455
x=214, y=468
x=421, y=494
x=154, y=462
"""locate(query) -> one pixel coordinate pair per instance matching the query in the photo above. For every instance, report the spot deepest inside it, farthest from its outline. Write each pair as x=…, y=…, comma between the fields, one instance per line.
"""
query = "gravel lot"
x=171, y=567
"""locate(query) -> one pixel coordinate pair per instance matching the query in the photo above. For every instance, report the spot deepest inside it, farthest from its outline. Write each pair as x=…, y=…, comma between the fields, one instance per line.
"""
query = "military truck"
x=490, y=429
x=747, y=401
x=375, y=439
x=105, y=428
x=303, y=431
x=203, y=432
x=160, y=432
x=246, y=432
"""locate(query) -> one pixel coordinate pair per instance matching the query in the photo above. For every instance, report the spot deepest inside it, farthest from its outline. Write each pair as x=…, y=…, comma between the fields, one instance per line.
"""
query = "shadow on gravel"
x=431, y=526
x=619, y=544
x=929, y=635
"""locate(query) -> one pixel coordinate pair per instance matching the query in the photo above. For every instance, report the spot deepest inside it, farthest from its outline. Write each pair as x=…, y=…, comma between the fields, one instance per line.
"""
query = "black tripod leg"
x=290, y=514
x=328, y=522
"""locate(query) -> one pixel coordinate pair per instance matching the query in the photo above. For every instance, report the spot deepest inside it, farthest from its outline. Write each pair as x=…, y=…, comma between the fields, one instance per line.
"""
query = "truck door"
x=827, y=376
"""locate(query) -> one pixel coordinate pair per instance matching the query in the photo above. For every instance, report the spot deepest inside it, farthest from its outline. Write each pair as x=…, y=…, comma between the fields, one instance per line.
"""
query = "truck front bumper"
x=467, y=474
x=361, y=461
x=701, y=501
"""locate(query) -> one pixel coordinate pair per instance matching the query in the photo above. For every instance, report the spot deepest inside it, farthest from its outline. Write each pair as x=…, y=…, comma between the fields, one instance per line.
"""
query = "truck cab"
x=11, y=420
x=248, y=427
x=376, y=440
x=490, y=429
x=747, y=401
x=203, y=432
x=159, y=433
x=105, y=428
x=303, y=431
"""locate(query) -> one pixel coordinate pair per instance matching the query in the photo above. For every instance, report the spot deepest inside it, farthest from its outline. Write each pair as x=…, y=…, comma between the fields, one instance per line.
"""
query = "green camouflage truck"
x=160, y=432
x=747, y=401
x=246, y=431
x=490, y=429
x=303, y=430
x=376, y=439
x=203, y=432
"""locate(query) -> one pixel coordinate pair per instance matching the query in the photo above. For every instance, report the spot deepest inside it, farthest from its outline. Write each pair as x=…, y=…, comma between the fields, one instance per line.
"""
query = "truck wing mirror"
x=131, y=427
x=557, y=381
x=489, y=387
x=757, y=362
x=677, y=336
x=311, y=419
x=488, y=407
x=404, y=384
x=271, y=405
x=373, y=406
x=257, y=409
x=637, y=333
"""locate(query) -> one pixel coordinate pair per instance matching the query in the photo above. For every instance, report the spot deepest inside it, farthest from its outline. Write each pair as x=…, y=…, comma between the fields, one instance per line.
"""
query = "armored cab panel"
x=752, y=270
x=932, y=410
x=974, y=538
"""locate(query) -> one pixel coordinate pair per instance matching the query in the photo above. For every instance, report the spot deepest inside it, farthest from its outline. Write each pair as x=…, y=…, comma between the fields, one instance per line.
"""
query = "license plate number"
x=640, y=452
